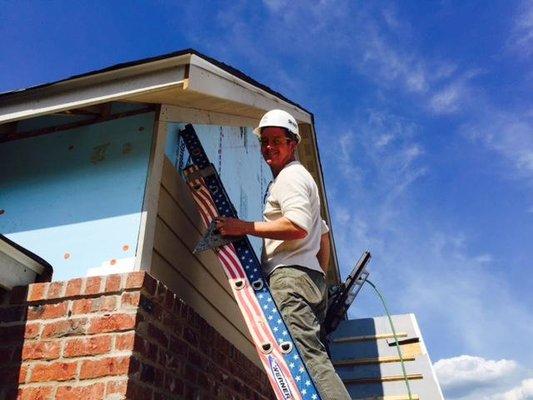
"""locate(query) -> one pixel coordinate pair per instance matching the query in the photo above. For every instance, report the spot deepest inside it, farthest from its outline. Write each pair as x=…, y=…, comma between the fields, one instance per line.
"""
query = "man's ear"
x=293, y=145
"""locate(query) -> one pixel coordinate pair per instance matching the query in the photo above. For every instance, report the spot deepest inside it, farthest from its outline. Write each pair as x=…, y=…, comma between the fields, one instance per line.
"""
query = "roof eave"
x=144, y=76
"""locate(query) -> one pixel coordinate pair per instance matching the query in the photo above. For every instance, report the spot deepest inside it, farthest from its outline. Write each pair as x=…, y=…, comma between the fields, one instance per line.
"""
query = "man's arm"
x=280, y=229
x=323, y=253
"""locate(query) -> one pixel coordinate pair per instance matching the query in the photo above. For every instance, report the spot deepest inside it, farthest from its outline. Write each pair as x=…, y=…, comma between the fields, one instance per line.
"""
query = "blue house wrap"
x=75, y=197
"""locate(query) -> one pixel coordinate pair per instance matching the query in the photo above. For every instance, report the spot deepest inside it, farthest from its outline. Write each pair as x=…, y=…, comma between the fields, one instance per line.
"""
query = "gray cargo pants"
x=301, y=296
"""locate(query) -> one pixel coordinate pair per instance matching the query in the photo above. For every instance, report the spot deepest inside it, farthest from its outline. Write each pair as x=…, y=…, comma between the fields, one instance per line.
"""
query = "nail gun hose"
x=395, y=339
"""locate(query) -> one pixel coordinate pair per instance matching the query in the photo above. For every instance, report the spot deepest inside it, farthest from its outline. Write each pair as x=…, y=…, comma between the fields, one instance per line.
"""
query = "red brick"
x=135, y=280
x=130, y=299
x=38, y=291
x=104, y=367
x=190, y=336
x=55, y=290
x=117, y=387
x=178, y=304
x=150, y=284
x=85, y=306
x=81, y=306
x=178, y=346
x=137, y=391
x=23, y=373
x=92, y=392
x=108, y=303
x=41, y=350
x=57, y=371
x=191, y=374
x=161, y=292
x=35, y=393
x=173, y=384
x=169, y=299
x=31, y=330
x=147, y=374
x=74, y=287
x=87, y=346
x=158, y=335
x=112, y=323
x=125, y=342
x=112, y=283
x=92, y=285
x=70, y=327
x=47, y=311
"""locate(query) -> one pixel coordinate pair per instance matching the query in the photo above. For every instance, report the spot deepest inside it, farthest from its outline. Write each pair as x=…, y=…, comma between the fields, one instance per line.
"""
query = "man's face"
x=276, y=148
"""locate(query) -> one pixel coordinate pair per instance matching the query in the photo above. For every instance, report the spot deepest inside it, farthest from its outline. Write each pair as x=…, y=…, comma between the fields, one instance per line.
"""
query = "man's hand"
x=233, y=226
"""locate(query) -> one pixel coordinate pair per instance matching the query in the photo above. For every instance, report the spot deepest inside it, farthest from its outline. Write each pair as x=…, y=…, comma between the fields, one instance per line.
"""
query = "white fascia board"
x=211, y=80
x=20, y=258
x=92, y=89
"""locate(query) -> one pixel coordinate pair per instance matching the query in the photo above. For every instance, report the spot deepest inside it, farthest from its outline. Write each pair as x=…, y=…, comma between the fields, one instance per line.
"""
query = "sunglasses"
x=277, y=141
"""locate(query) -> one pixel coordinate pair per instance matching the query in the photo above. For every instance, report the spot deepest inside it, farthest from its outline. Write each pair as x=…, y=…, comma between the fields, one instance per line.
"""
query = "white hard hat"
x=281, y=119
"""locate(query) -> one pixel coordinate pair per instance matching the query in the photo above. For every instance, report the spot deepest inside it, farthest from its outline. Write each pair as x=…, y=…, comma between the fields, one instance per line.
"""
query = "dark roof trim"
x=46, y=275
x=239, y=74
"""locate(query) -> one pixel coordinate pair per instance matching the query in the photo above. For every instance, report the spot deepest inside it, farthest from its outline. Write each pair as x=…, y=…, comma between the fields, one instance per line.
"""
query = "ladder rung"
x=368, y=337
x=371, y=360
x=379, y=379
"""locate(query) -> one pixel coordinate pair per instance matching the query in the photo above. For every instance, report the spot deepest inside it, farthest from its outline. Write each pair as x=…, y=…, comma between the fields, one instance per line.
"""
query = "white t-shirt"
x=294, y=195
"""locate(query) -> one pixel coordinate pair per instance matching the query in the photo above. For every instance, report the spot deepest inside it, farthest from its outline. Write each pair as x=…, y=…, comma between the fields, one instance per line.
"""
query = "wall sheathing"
x=75, y=196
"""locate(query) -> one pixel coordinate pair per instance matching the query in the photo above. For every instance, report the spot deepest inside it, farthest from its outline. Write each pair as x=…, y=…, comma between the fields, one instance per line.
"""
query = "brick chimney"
x=116, y=337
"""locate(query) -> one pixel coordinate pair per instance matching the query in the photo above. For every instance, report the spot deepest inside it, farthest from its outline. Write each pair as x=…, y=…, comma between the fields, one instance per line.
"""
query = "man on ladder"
x=295, y=247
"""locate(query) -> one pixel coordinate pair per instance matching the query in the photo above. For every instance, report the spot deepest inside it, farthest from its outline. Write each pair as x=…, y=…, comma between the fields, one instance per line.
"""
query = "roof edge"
x=189, y=51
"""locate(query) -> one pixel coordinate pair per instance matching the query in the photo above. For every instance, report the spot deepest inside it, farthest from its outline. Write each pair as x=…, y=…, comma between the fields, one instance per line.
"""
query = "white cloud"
x=521, y=40
x=383, y=140
x=275, y=5
x=446, y=101
x=524, y=391
x=508, y=134
x=470, y=371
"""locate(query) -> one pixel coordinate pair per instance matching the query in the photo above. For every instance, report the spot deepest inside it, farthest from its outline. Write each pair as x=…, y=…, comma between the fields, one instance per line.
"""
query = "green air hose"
x=395, y=339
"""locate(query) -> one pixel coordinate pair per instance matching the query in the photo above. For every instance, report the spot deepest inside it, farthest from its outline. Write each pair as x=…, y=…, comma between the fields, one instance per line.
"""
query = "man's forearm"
x=280, y=229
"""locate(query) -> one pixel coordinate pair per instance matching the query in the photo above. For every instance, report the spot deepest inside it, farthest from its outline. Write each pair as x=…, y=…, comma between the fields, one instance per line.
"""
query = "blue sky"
x=424, y=116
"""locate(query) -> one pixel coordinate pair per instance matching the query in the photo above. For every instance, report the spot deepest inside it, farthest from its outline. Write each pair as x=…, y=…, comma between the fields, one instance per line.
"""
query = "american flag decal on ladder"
x=285, y=369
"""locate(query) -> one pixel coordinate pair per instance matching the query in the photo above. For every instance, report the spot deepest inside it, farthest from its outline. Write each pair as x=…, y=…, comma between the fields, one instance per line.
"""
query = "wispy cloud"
x=521, y=39
x=507, y=134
